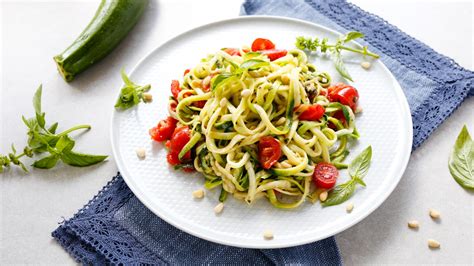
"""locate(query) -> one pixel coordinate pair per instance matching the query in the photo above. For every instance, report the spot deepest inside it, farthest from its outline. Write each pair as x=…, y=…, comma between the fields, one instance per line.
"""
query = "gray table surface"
x=33, y=204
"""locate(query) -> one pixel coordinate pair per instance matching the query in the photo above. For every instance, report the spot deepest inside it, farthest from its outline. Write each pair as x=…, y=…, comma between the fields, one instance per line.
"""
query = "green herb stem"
x=74, y=129
x=359, y=51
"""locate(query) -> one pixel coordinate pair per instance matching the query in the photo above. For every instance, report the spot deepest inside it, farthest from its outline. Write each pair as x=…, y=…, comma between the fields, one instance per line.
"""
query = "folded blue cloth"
x=114, y=227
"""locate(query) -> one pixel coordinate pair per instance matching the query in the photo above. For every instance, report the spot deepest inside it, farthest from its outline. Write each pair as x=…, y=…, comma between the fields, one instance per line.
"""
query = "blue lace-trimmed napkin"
x=114, y=227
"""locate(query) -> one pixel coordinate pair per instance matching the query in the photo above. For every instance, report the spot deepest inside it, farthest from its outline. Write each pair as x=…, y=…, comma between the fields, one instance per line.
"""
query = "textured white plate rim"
x=405, y=151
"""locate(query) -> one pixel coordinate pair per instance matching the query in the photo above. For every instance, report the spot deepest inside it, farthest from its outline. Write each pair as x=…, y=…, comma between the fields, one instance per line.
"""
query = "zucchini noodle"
x=231, y=101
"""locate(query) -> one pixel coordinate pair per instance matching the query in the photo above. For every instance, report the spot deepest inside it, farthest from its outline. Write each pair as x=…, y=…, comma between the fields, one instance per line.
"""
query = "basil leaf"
x=40, y=119
x=219, y=78
x=352, y=36
x=47, y=162
x=30, y=123
x=340, y=193
x=131, y=94
x=359, y=167
x=80, y=160
x=65, y=144
x=253, y=64
x=126, y=79
x=461, y=160
x=53, y=127
x=339, y=64
x=37, y=99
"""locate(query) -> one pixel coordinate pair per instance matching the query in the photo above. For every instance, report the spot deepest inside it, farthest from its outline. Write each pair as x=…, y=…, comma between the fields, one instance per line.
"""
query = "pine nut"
x=268, y=234
x=206, y=81
x=246, y=93
x=147, y=97
x=365, y=65
x=433, y=243
x=349, y=207
x=323, y=196
x=413, y=224
x=358, y=110
x=198, y=194
x=141, y=153
x=219, y=207
x=435, y=214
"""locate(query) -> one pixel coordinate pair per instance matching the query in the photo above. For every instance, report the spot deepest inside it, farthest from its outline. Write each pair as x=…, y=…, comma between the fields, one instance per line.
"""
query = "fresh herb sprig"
x=315, y=44
x=131, y=94
x=358, y=169
x=461, y=160
x=44, y=139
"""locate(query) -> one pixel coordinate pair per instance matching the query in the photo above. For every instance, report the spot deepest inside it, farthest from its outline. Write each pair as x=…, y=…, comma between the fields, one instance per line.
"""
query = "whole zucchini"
x=111, y=23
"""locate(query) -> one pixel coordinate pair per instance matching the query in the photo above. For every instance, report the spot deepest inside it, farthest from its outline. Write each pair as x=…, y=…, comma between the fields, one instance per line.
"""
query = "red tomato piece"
x=172, y=158
x=269, y=151
x=325, y=175
x=344, y=94
x=164, y=129
x=262, y=44
x=179, y=139
x=274, y=54
x=186, y=71
x=175, y=89
x=232, y=51
x=189, y=169
x=312, y=113
x=199, y=104
x=173, y=106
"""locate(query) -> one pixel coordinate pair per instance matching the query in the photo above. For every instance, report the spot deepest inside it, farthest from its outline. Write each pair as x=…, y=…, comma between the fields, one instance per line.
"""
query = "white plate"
x=385, y=124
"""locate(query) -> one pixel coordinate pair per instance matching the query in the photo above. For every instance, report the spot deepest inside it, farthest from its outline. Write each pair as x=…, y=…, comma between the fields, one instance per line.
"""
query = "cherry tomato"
x=269, y=151
x=274, y=54
x=175, y=89
x=189, y=169
x=186, y=71
x=325, y=175
x=312, y=113
x=199, y=104
x=344, y=94
x=340, y=116
x=164, y=129
x=232, y=51
x=179, y=139
x=262, y=44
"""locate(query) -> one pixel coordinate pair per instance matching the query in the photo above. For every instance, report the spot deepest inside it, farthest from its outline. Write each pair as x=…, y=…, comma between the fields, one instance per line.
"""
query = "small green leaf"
x=65, y=144
x=47, y=162
x=352, y=36
x=40, y=119
x=53, y=127
x=359, y=167
x=340, y=193
x=219, y=78
x=253, y=64
x=13, y=148
x=339, y=64
x=30, y=123
x=37, y=99
x=461, y=160
x=126, y=79
x=79, y=159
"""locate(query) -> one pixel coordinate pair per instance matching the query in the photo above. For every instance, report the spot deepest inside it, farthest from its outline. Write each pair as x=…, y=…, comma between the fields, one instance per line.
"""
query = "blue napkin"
x=114, y=227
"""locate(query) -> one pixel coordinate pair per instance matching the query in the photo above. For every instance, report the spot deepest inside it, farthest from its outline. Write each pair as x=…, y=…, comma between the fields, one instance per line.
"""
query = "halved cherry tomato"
x=274, y=54
x=186, y=71
x=312, y=113
x=164, y=129
x=325, y=175
x=173, y=106
x=344, y=94
x=189, y=169
x=232, y=51
x=262, y=44
x=269, y=151
x=179, y=139
x=339, y=115
x=199, y=104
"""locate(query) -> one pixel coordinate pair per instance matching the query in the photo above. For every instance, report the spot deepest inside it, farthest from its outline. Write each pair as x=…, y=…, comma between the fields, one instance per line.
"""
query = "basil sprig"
x=461, y=160
x=358, y=169
x=131, y=94
x=315, y=44
x=44, y=139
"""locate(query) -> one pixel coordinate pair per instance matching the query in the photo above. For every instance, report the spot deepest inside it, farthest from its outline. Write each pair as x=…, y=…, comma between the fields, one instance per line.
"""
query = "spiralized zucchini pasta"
x=258, y=123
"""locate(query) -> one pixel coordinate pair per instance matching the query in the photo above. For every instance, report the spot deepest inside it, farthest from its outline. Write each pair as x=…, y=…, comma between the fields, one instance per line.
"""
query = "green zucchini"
x=111, y=23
